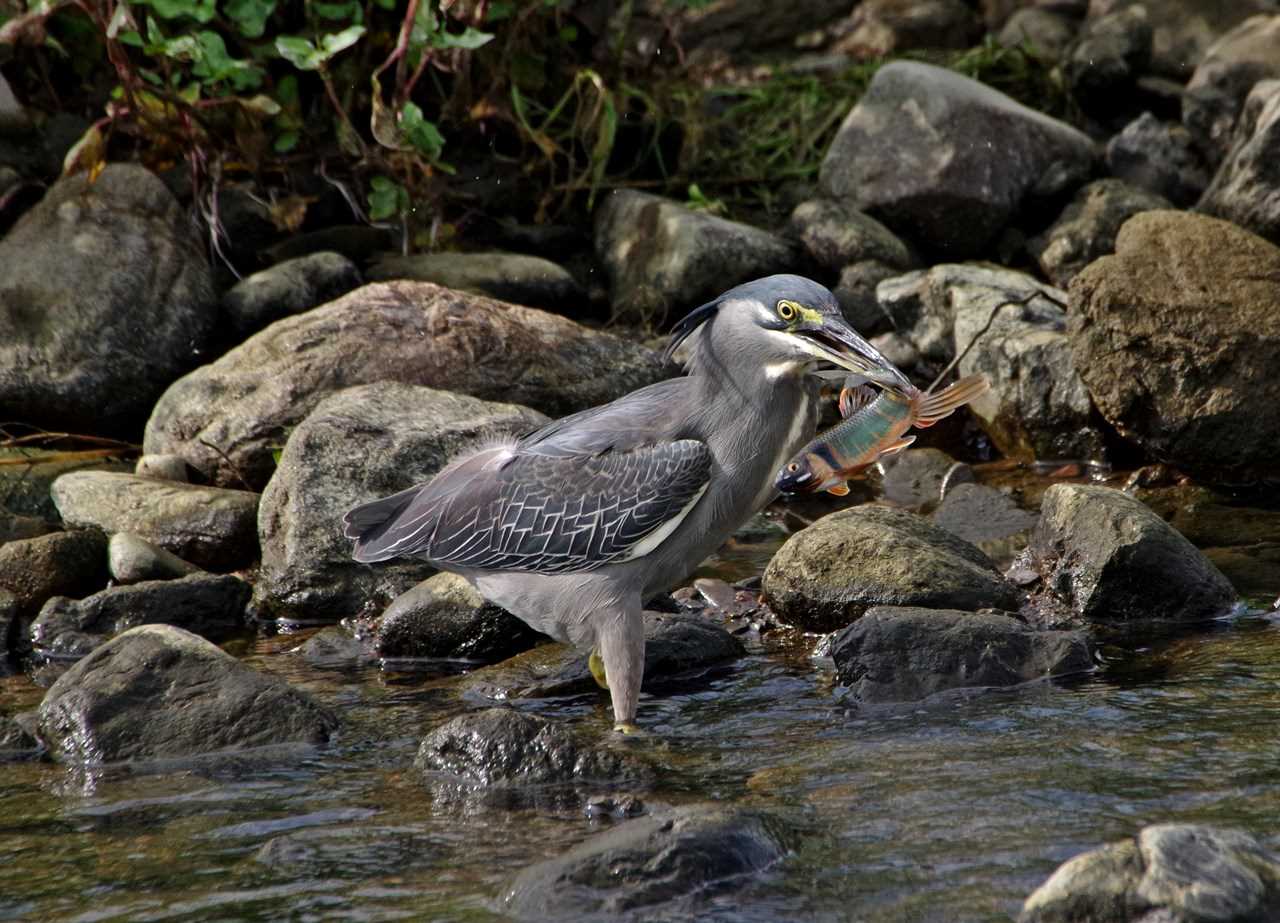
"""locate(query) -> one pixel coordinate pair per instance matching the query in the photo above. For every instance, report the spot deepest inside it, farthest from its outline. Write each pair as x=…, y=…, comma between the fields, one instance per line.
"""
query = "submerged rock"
x=1232, y=65
x=1180, y=873
x=1246, y=188
x=288, y=288
x=158, y=692
x=59, y=564
x=1106, y=557
x=649, y=865
x=514, y=277
x=901, y=654
x=829, y=574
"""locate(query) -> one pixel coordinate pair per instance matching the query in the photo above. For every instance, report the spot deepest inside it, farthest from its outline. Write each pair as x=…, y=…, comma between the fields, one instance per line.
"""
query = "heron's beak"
x=836, y=342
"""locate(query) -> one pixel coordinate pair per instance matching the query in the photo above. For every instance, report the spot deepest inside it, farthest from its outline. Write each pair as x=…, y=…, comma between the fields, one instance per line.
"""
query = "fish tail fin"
x=839, y=490
x=934, y=407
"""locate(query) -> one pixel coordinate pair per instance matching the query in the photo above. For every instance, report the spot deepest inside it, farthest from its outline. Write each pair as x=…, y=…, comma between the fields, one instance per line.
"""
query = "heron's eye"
x=788, y=310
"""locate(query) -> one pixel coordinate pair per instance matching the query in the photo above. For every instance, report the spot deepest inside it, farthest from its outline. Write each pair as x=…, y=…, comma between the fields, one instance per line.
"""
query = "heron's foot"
x=596, y=666
x=629, y=729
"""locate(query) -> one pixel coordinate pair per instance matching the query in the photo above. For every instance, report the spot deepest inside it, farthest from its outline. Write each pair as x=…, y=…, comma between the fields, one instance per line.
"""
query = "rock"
x=15, y=528
x=514, y=277
x=1232, y=65
x=13, y=118
x=946, y=161
x=444, y=616
x=1049, y=32
x=1173, y=872
x=335, y=648
x=829, y=574
x=836, y=235
x=106, y=298
x=158, y=692
x=410, y=332
x=856, y=293
x=357, y=445
x=163, y=468
x=1246, y=188
x=915, y=478
x=348, y=851
x=1254, y=570
x=663, y=258
x=1159, y=157
x=878, y=28
x=744, y=25
x=502, y=746
x=10, y=628
x=1107, y=59
x=357, y=242
x=988, y=517
x=1205, y=517
x=132, y=559
x=287, y=288
x=211, y=606
x=1087, y=227
x=897, y=349
x=17, y=743
x=905, y=654
x=27, y=477
x=208, y=526
x=60, y=564
x=1105, y=557
x=639, y=865
x=1175, y=337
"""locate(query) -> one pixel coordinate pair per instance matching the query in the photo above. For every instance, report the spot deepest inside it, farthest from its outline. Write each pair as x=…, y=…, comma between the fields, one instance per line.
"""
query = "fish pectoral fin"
x=840, y=490
x=853, y=399
x=896, y=447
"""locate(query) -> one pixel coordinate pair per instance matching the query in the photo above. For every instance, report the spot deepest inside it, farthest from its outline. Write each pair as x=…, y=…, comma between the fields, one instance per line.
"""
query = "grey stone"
x=287, y=288
x=411, y=332
x=915, y=478
x=663, y=258
x=357, y=445
x=13, y=117
x=1108, y=57
x=334, y=647
x=444, y=616
x=348, y=851
x=1184, y=317
x=829, y=574
x=988, y=517
x=105, y=299
x=1105, y=557
x=17, y=743
x=1246, y=188
x=895, y=654
x=836, y=235
x=514, y=277
x=60, y=564
x=1232, y=65
x=1160, y=158
x=1087, y=227
x=1180, y=873
x=15, y=528
x=856, y=293
x=946, y=161
x=1047, y=31
x=209, y=526
x=640, y=865
x=132, y=559
x=158, y=692
x=709, y=28
x=897, y=349
x=209, y=605
x=877, y=28
x=357, y=242
x=163, y=468
x=1207, y=517
x=10, y=627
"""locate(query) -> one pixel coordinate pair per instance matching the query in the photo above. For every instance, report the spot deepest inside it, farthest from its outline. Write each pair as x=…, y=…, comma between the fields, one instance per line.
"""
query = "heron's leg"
x=596, y=666
x=621, y=641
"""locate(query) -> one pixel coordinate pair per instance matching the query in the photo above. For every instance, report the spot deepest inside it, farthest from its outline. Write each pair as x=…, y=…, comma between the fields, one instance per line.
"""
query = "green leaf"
x=499, y=10
x=347, y=11
x=200, y=10
x=568, y=33
x=468, y=38
x=299, y=52
x=386, y=4
x=419, y=132
x=341, y=41
x=250, y=16
x=214, y=65
x=285, y=142
x=386, y=199
x=131, y=38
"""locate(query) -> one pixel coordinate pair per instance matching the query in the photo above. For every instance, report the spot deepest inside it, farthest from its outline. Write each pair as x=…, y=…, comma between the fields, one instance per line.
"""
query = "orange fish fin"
x=840, y=490
x=896, y=447
x=854, y=399
x=934, y=407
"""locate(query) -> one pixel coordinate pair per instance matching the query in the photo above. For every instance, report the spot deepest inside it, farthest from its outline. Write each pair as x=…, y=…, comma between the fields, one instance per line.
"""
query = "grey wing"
x=507, y=508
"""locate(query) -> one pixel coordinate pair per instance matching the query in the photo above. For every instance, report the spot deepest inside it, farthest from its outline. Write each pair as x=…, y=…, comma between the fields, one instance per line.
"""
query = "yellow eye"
x=788, y=310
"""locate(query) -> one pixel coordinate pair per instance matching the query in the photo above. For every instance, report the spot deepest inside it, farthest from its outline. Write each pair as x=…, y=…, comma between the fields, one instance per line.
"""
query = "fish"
x=874, y=426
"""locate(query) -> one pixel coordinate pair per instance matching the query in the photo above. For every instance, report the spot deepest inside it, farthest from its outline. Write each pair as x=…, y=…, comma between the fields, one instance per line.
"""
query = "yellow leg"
x=596, y=666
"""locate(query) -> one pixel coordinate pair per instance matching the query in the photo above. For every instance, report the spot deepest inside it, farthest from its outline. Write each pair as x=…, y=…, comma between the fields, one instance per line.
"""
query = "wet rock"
x=1206, y=518
x=163, y=468
x=357, y=445
x=334, y=647
x=1087, y=227
x=502, y=746
x=410, y=332
x=15, y=528
x=1216, y=92
x=1110, y=54
x=856, y=293
x=1175, y=337
x=1254, y=570
x=643, y=864
x=287, y=288
x=1182, y=873
x=106, y=298
x=60, y=564
x=1047, y=31
x=829, y=574
x=513, y=277
x=209, y=605
x=132, y=559
x=1159, y=157
x=947, y=161
x=158, y=692
x=17, y=743
x=1246, y=188
x=444, y=616
x=917, y=476
x=988, y=517
x=10, y=627
x=836, y=235
x=895, y=654
x=1105, y=557
x=347, y=851
x=663, y=258
x=208, y=526
x=879, y=27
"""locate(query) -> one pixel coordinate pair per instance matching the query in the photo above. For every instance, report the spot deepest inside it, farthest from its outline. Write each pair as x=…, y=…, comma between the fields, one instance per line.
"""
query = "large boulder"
x=158, y=692
x=1105, y=557
x=1176, y=335
x=105, y=298
x=209, y=526
x=226, y=419
x=829, y=574
x=1180, y=873
x=947, y=161
x=663, y=258
x=58, y=564
x=358, y=445
x=895, y=654
x=1246, y=188
x=1231, y=66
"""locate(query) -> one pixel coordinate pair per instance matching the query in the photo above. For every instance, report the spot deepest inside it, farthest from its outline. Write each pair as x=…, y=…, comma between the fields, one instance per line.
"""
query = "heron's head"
x=784, y=324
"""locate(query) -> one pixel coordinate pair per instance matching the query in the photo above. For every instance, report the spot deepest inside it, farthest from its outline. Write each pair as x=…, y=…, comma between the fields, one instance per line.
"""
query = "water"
x=948, y=811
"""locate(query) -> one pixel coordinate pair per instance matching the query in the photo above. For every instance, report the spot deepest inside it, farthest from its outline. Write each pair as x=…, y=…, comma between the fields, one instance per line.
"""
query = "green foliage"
x=387, y=199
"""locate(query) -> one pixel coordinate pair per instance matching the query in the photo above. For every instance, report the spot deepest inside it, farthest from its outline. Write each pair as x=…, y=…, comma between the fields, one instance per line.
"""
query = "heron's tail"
x=365, y=523
x=933, y=407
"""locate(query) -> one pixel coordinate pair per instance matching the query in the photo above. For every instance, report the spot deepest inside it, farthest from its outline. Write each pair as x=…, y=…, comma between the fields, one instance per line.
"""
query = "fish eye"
x=788, y=310
x=793, y=467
